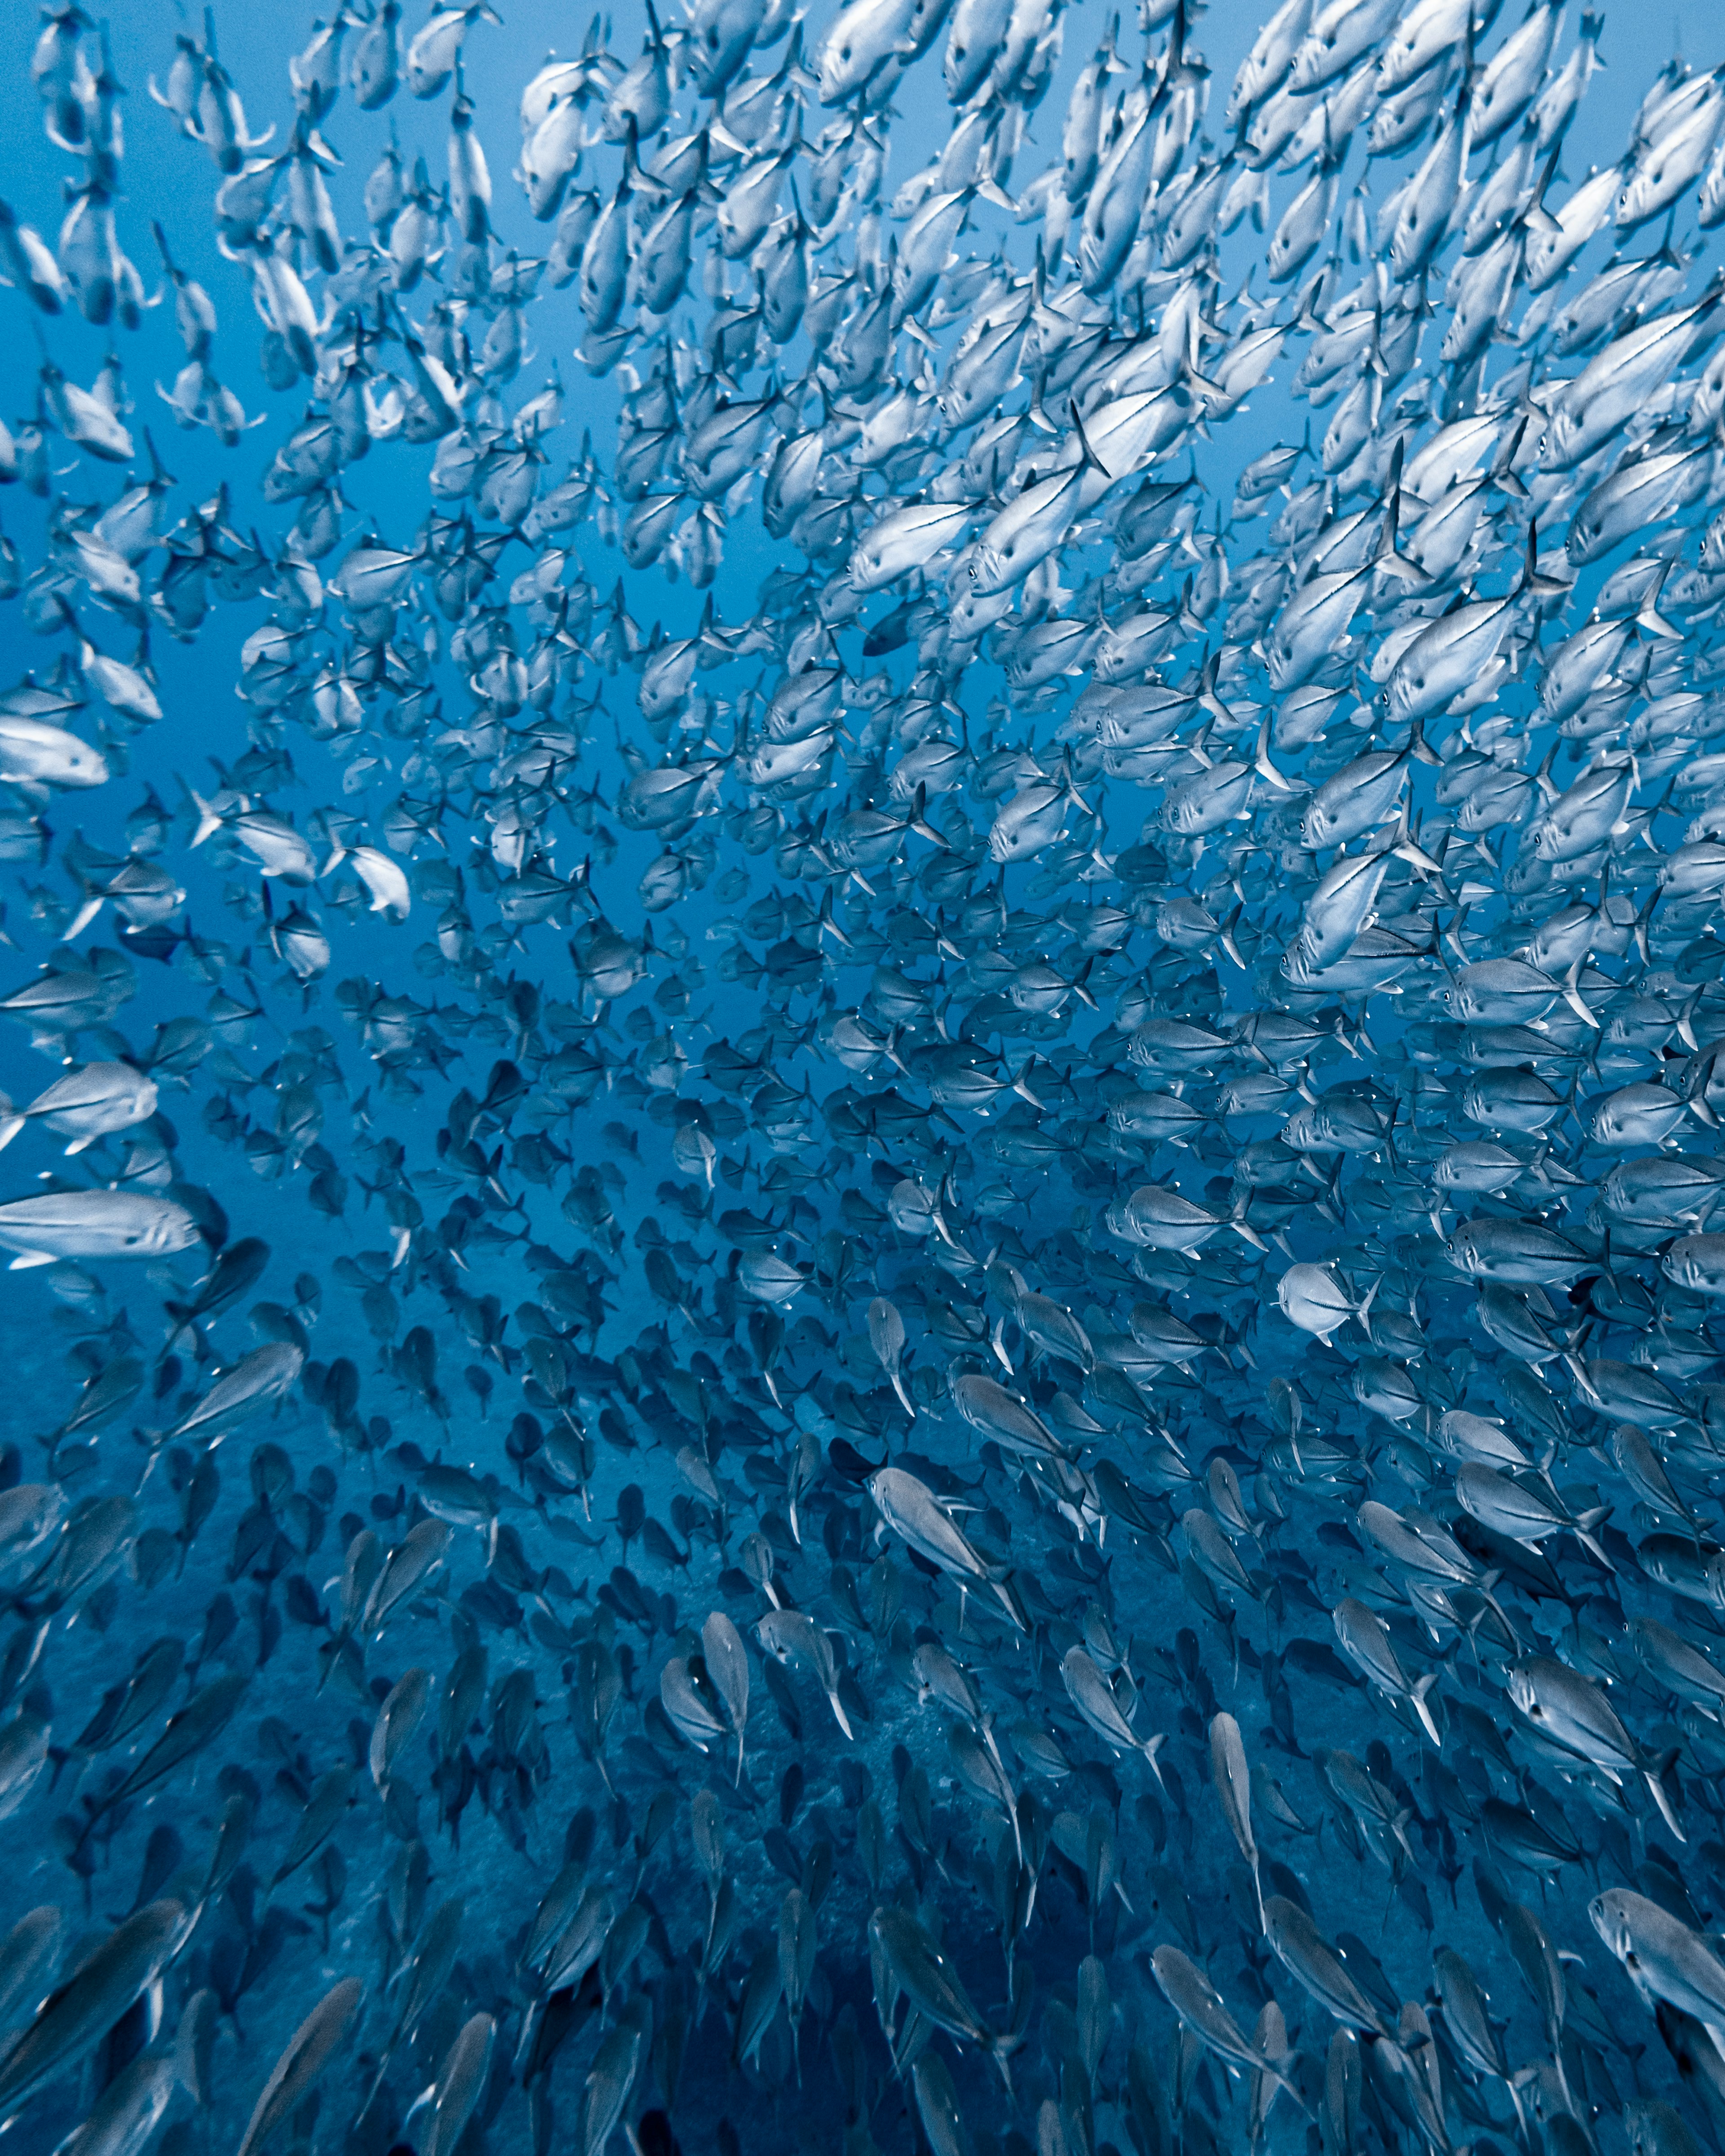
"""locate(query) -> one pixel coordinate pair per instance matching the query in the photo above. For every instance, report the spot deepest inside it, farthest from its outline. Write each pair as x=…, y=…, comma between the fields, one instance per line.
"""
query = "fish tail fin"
x=1009, y=1598
x=1389, y=557
x=1584, y=1525
x=1308, y=319
x=86, y=913
x=1021, y=1084
x=1537, y=218
x=1244, y=1228
x=1502, y=473
x=1530, y=581
x=1657, y=1789
x=1091, y=457
x=1261, y=761
x=1005, y=2042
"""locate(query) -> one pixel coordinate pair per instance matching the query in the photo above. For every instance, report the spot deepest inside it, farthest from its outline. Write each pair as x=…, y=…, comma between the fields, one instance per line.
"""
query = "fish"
x=1090, y=1693
x=1297, y=1945
x=1569, y=1708
x=296, y=2072
x=791, y=1637
x=460, y=2082
x=1662, y=1955
x=1201, y=2010
x=87, y=1105
x=94, y=1224
x=72, y=2017
x=1312, y=1298
x=914, y=1967
x=34, y=753
x=909, y=1508
x=256, y=1380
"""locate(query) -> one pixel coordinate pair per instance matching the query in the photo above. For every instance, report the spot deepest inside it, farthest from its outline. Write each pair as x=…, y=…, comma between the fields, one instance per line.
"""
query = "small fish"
x=1090, y=1692
x=1200, y=2008
x=299, y=2066
x=791, y=1637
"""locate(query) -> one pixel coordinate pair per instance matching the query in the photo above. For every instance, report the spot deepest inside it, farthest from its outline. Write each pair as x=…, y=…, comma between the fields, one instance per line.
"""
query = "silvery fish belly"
x=861, y=1210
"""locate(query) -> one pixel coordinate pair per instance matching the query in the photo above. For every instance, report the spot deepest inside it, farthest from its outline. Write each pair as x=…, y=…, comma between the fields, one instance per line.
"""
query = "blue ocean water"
x=915, y=1358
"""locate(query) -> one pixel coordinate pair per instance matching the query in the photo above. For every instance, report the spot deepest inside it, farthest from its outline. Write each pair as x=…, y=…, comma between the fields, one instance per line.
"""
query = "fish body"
x=94, y=1224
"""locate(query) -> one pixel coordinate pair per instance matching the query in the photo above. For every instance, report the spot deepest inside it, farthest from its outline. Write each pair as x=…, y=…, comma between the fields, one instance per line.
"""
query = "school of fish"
x=864, y=1217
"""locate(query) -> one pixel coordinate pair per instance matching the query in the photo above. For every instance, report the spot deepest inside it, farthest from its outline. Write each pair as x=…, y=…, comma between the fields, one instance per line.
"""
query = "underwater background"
x=861, y=880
